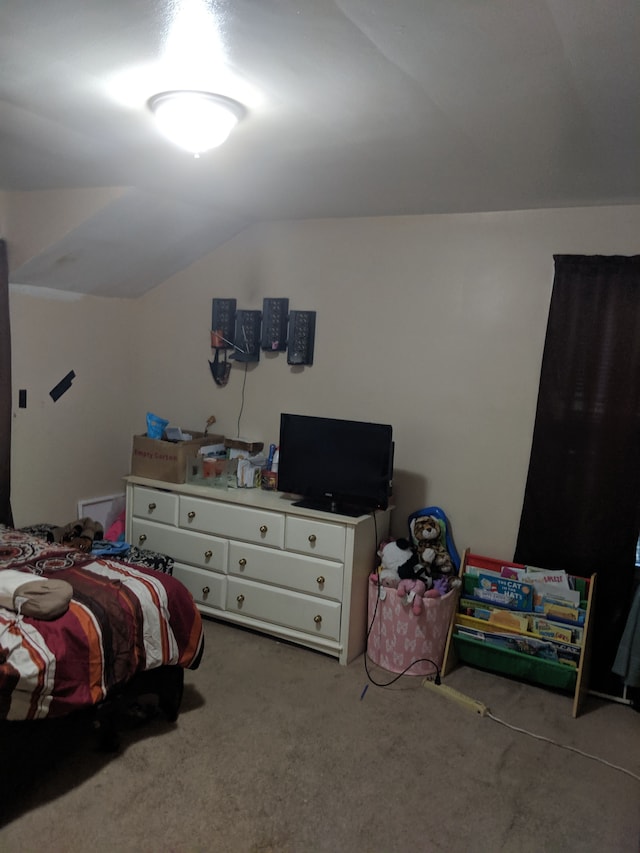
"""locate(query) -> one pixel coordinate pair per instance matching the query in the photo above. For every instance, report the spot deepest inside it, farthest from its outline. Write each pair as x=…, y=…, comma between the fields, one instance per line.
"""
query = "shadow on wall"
x=409, y=494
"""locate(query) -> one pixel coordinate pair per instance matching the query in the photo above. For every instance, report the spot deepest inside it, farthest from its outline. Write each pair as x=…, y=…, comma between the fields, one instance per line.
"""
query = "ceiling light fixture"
x=196, y=121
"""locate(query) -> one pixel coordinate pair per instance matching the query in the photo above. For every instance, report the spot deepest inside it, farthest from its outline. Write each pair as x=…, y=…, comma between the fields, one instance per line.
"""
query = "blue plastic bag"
x=155, y=426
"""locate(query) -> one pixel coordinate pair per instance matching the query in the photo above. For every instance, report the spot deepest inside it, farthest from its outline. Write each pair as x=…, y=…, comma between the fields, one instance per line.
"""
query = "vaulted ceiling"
x=353, y=108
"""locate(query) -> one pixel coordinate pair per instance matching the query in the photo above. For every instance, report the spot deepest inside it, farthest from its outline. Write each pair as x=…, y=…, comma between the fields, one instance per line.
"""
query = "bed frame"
x=165, y=682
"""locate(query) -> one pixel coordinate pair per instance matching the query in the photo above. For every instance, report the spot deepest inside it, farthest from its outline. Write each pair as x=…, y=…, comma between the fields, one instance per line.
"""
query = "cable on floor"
x=563, y=746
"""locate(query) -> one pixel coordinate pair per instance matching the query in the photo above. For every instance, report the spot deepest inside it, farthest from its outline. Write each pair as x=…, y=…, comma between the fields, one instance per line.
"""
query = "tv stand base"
x=335, y=507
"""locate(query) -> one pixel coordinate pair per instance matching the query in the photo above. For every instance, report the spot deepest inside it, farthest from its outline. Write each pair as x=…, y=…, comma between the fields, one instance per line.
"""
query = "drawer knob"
x=152, y=507
x=240, y=599
x=142, y=537
x=242, y=562
x=208, y=554
x=205, y=591
x=312, y=538
x=191, y=515
x=317, y=619
x=320, y=579
x=263, y=528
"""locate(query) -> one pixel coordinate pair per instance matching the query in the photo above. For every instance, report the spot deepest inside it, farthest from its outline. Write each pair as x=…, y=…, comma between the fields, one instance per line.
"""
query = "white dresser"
x=250, y=557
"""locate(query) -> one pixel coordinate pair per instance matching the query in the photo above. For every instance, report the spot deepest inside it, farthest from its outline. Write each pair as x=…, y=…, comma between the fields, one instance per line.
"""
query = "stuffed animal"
x=441, y=586
x=79, y=534
x=428, y=538
x=394, y=555
x=413, y=592
x=432, y=589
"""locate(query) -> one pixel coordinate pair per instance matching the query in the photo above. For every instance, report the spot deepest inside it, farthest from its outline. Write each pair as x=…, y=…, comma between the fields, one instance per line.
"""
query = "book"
x=512, y=594
x=553, y=592
x=471, y=607
x=551, y=630
x=513, y=642
x=568, y=653
x=560, y=613
x=502, y=569
x=494, y=615
x=559, y=577
x=509, y=619
x=512, y=572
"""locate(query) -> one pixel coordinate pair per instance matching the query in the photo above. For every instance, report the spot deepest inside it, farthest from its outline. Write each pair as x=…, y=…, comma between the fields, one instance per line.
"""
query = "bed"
x=124, y=625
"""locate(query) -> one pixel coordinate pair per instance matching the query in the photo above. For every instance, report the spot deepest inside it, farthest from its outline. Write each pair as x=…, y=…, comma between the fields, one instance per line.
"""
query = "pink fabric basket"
x=398, y=636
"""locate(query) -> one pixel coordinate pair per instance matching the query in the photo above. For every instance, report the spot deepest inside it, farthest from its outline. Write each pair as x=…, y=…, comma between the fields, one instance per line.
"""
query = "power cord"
x=244, y=382
x=477, y=707
x=563, y=746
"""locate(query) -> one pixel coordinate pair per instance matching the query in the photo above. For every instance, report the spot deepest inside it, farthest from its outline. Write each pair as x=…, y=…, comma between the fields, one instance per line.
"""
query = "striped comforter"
x=121, y=620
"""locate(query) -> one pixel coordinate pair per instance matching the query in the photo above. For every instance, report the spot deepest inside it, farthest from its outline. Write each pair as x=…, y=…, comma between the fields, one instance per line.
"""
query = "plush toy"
x=413, y=590
x=394, y=555
x=441, y=586
x=421, y=589
x=428, y=538
x=79, y=534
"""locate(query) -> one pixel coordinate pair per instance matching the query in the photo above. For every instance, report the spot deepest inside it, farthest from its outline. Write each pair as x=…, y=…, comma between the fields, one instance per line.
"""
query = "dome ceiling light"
x=196, y=121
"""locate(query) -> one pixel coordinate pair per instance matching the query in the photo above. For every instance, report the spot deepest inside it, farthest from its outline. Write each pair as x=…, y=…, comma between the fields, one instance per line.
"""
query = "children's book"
x=551, y=630
x=514, y=573
x=471, y=607
x=497, y=616
x=556, y=578
x=561, y=613
x=514, y=642
x=553, y=592
x=568, y=653
x=509, y=619
x=509, y=593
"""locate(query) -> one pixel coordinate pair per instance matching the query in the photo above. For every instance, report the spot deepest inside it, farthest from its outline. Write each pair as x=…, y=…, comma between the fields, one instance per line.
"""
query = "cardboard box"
x=244, y=444
x=167, y=460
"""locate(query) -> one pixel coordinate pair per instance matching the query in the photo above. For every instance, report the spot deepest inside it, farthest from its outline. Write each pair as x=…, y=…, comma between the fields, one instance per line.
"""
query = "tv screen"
x=336, y=465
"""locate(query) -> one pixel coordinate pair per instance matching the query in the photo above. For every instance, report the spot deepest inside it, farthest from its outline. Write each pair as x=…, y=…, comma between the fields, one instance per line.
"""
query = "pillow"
x=39, y=598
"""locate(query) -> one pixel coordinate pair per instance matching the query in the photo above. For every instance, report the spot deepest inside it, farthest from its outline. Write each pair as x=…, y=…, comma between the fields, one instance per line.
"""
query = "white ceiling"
x=354, y=108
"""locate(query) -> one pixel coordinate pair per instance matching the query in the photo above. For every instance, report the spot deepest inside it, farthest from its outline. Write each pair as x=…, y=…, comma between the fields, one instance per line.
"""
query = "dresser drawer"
x=306, y=574
x=254, y=559
x=232, y=521
x=152, y=504
x=183, y=545
x=315, y=537
x=314, y=616
x=206, y=587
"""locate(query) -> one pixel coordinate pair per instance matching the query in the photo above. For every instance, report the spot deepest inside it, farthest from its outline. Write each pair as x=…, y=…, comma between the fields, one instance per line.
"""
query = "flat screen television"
x=335, y=465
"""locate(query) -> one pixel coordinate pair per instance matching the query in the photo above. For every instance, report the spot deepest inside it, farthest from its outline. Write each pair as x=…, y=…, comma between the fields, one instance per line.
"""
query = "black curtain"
x=6, y=516
x=581, y=509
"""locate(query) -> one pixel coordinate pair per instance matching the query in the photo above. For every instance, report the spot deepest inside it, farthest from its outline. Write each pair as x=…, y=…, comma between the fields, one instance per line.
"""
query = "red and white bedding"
x=121, y=620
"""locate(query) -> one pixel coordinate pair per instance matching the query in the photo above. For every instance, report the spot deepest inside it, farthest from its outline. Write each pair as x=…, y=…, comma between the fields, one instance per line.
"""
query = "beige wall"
x=78, y=447
x=435, y=324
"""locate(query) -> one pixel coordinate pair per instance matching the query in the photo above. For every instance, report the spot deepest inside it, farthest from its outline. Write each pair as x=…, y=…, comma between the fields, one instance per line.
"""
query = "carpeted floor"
x=277, y=751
